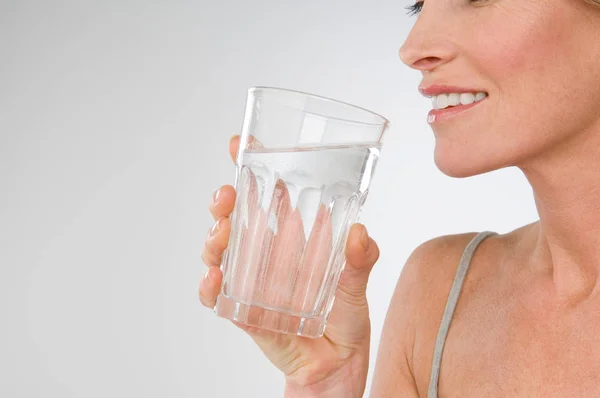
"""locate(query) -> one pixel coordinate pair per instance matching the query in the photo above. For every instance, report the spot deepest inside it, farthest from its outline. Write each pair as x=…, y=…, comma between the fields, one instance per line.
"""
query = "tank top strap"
x=459, y=278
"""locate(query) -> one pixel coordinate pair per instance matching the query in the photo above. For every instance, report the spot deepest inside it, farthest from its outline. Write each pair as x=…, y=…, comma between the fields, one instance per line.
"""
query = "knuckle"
x=219, y=245
x=376, y=252
x=353, y=295
x=208, y=258
x=214, y=250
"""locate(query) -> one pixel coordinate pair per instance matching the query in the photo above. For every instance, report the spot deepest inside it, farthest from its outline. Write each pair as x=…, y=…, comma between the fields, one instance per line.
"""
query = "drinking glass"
x=303, y=172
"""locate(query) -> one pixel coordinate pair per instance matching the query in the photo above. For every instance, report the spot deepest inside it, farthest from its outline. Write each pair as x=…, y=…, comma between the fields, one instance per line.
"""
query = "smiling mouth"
x=446, y=105
x=443, y=101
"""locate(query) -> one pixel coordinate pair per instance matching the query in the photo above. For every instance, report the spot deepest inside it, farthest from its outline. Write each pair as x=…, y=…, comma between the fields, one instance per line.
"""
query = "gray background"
x=114, y=123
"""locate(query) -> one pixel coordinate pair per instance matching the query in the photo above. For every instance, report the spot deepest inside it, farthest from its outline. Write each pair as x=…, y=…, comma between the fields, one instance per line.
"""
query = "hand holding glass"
x=302, y=175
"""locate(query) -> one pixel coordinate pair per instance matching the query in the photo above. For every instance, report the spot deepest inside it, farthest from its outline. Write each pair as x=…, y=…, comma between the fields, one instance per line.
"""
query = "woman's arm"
x=416, y=307
x=393, y=374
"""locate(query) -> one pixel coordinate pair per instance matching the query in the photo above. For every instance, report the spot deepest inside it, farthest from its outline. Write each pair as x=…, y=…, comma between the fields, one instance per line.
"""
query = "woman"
x=525, y=321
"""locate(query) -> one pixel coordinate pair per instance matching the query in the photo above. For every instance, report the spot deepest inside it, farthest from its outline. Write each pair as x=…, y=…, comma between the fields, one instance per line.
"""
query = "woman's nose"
x=430, y=43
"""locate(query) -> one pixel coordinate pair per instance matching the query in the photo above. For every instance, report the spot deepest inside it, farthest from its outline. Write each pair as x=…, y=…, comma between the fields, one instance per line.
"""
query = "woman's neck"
x=566, y=186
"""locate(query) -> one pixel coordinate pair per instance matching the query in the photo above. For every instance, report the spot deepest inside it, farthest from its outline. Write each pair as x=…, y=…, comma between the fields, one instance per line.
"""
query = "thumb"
x=362, y=253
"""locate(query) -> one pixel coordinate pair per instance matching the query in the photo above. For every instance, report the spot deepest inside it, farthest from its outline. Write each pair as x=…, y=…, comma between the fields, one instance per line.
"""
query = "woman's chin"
x=461, y=164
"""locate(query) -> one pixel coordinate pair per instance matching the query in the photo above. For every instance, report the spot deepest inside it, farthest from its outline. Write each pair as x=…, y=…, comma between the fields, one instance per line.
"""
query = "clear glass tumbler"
x=303, y=173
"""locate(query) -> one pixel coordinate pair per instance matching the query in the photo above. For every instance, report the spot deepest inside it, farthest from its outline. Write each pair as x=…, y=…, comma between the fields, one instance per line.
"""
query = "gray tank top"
x=459, y=279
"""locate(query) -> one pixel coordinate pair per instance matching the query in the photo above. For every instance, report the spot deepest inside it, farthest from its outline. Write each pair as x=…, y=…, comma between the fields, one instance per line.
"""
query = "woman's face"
x=537, y=60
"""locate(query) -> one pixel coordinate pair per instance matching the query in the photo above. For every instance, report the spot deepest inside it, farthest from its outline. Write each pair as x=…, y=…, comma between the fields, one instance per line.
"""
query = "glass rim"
x=384, y=121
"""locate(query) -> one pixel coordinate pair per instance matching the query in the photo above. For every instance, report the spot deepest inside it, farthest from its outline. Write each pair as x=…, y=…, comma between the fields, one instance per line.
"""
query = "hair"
x=594, y=2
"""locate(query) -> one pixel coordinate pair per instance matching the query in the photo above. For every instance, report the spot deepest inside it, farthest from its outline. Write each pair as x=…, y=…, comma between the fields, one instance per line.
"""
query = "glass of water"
x=303, y=172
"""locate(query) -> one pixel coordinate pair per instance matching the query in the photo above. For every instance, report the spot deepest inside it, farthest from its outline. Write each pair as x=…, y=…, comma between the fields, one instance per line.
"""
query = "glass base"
x=260, y=317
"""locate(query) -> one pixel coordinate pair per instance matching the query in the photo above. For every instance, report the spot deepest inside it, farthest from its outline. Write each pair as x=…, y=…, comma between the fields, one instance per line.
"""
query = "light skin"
x=528, y=319
x=334, y=365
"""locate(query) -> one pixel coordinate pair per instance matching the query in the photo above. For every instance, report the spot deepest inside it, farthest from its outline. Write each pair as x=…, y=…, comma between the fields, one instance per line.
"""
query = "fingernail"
x=207, y=276
x=364, y=239
x=216, y=196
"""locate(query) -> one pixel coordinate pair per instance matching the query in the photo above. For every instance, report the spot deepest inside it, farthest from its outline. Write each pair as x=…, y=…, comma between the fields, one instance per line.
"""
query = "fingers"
x=216, y=242
x=349, y=324
x=223, y=202
x=218, y=237
x=362, y=253
x=215, y=245
x=210, y=286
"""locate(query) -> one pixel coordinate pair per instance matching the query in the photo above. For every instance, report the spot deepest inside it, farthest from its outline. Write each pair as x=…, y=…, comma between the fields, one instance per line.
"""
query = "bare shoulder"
x=433, y=262
x=417, y=305
x=424, y=284
x=406, y=347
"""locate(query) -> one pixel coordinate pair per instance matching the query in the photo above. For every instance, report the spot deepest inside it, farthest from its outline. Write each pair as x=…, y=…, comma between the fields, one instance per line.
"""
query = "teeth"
x=480, y=96
x=442, y=101
x=453, y=99
x=467, y=98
